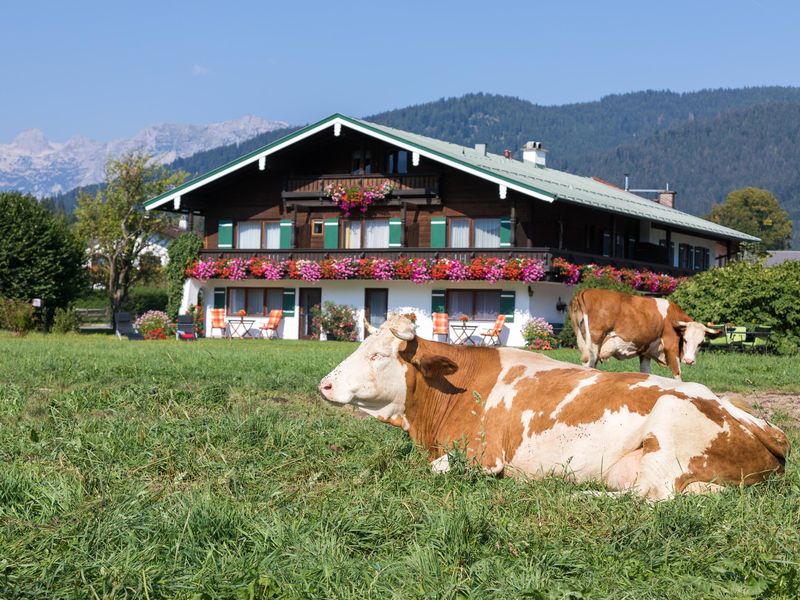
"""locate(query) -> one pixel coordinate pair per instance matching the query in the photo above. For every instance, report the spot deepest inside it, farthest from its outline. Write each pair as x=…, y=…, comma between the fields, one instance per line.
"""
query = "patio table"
x=241, y=327
x=463, y=334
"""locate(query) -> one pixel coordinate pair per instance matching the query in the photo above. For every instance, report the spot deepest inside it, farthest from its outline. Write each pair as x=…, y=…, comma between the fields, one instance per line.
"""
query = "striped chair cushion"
x=274, y=320
x=440, y=324
x=218, y=318
x=498, y=326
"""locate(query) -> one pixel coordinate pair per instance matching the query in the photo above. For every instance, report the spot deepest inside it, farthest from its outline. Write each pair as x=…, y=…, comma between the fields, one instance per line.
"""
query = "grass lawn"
x=211, y=469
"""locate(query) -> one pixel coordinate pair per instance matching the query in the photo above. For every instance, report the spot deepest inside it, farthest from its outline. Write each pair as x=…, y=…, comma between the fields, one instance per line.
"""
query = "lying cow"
x=610, y=324
x=523, y=412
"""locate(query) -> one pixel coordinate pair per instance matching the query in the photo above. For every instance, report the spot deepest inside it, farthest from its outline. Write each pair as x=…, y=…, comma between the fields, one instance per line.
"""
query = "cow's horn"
x=369, y=328
x=403, y=335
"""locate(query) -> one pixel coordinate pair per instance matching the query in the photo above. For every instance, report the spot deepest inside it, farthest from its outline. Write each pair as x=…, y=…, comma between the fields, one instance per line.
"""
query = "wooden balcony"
x=413, y=189
x=463, y=254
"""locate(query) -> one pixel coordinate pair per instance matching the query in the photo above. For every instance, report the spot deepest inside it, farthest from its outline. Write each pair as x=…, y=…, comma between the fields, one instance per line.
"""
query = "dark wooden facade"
x=290, y=189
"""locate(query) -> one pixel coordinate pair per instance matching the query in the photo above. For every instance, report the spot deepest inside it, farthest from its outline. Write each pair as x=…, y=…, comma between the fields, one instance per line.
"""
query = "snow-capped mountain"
x=32, y=163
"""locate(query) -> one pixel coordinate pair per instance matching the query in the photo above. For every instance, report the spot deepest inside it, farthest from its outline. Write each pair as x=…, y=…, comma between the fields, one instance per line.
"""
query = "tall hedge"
x=748, y=293
x=182, y=251
x=39, y=255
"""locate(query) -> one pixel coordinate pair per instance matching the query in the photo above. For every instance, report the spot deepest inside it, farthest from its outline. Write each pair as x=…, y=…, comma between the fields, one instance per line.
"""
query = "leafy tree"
x=115, y=225
x=182, y=251
x=39, y=255
x=757, y=212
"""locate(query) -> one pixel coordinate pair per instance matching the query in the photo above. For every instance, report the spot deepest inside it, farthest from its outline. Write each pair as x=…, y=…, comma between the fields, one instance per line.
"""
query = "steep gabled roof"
x=538, y=182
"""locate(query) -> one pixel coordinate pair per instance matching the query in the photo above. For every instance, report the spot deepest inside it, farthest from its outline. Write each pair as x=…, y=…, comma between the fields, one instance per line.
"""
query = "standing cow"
x=621, y=325
x=523, y=412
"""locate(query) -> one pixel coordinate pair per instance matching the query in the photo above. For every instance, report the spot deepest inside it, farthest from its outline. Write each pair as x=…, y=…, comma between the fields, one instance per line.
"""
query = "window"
x=397, y=162
x=257, y=302
x=362, y=162
x=272, y=236
x=606, y=243
x=487, y=233
x=376, y=305
x=685, y=256
x=630, y=248
x=478, y=305
x=316, y=227
x=249, y=236
x=376, y=233
x=352, y=234
x=459, y=233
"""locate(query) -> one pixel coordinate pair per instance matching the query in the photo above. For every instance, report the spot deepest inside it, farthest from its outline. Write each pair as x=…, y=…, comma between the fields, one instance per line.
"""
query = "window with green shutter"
x=288, y=302
x=219, y=297
x=505, y=233
x=438, y=304
x=225, y=238
x=438, y=232
x=508, y=300
x=331, y=235
x=395, y=233
x=286, y=233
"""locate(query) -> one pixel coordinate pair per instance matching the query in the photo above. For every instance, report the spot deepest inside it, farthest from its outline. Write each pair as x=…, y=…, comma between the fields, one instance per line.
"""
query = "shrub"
x=155, y=325
x=143, y=299
x=338, y=321
x=182, y=252
x=747, y=293
x=16, y=316
x=65, y=320
x=538, y=334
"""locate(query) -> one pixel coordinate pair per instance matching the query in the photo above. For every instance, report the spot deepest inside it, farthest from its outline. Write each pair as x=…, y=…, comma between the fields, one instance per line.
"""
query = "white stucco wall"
x=407, y=297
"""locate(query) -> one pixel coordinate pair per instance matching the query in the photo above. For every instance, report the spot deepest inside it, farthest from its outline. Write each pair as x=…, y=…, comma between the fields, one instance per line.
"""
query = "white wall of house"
x=537, y=300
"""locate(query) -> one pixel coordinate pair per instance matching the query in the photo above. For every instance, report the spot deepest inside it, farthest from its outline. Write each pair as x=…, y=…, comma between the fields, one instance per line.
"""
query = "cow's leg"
x=702, y=487
x=644, y=364
x=674, y=363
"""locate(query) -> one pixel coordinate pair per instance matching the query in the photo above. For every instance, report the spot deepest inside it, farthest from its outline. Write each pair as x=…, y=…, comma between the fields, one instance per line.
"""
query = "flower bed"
x=646, y=281
x=418, y=270
x=155, y=325
x=538, y=334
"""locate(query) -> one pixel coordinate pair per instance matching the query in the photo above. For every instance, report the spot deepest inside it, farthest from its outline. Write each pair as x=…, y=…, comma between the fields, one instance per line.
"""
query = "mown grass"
x=211, y=469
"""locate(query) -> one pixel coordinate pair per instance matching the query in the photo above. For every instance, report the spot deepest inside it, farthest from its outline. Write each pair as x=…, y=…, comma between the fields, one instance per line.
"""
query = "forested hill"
x=703, y=143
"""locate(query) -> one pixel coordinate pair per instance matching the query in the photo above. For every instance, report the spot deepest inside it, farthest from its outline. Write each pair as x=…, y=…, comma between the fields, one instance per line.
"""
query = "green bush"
x=142, y=299
x=338, y=321
x=65, y=320
x=185, y=249
x=747, y=293
x=16, y=316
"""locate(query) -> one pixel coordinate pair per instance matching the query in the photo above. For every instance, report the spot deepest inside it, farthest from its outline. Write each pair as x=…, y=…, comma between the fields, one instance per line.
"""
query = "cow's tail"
x=580, y=325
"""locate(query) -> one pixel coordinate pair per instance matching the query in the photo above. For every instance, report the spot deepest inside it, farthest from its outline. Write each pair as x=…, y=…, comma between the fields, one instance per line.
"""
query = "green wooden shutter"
x=219, y=297
x=507, y=302
x=438, y=232
x=331, y=237
x=225, y=234
x=286, y=233
x=438, y=304
x=288, y=302
x=505, y=233
x=395, y=230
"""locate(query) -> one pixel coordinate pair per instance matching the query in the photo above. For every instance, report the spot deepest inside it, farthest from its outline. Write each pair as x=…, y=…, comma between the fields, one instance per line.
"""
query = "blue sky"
x=108, y=69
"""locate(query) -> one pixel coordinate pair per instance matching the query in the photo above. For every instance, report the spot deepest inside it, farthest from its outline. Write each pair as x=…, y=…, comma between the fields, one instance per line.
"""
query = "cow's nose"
x=688, y=361
x=326, y=388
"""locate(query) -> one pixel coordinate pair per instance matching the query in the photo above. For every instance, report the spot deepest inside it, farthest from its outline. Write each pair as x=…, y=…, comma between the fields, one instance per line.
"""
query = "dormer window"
x=362, y=162
x=397, y=162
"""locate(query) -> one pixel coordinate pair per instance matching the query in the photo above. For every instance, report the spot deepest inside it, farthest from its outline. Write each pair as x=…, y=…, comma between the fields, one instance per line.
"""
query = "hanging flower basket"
x=357, y=197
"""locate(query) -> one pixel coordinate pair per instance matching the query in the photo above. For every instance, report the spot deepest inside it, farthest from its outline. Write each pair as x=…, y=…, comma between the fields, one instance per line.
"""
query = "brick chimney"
x=534, y=153
x=667, y=198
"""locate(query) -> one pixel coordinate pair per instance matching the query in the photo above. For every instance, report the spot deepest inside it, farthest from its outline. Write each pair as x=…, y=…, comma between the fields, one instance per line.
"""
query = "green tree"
x=115, y=225
x=757, y=212
x=39, y=255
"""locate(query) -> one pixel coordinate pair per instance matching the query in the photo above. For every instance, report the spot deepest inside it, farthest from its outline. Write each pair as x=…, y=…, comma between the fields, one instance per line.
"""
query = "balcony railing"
x=404, y=185
x=463, y=254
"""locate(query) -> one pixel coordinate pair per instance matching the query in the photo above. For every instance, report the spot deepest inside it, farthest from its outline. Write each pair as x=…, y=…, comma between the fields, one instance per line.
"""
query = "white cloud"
x=199, y=70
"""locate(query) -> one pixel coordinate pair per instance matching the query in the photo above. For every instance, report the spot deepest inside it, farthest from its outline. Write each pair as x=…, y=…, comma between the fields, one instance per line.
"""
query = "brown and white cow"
x=522, y=412
x=608, y=323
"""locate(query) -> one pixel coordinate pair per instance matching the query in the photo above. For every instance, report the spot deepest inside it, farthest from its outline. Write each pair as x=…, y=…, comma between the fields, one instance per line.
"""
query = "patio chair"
x=737, y=337
x=125, y=328
x=441, y=326
x=758, y=340
x=218, y=322
x=493, y=335
x=185, y=329
x=723, y=342
x=271, y=327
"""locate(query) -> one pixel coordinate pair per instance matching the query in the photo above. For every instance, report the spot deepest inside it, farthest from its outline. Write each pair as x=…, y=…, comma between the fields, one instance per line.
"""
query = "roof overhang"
x=336, y=122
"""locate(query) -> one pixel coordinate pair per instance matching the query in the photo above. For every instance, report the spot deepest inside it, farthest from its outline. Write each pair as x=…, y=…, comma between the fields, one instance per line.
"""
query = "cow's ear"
x=431, y=365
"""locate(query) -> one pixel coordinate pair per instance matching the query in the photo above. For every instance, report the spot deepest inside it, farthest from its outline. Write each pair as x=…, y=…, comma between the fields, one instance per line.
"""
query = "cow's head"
x=375, y=377
x=692, y=335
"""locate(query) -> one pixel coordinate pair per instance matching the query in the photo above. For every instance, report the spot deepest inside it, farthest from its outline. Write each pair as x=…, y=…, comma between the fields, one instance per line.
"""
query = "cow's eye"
x=377, y=356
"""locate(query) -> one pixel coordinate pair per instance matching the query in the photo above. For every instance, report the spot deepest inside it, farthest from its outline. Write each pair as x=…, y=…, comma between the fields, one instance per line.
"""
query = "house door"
x=376, y=304
x=309, y=298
